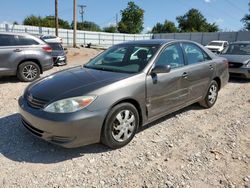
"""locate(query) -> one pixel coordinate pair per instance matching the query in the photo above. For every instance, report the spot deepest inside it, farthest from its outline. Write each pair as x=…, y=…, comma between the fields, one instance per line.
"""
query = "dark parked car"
x=238, y=56
x=108, y=101
x=58, y=53
x=24, y=55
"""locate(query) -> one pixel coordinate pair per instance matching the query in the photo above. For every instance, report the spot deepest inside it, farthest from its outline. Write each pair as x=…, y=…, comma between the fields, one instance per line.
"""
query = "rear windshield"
x=215, y=44
x=56, y=46
x=238, y=49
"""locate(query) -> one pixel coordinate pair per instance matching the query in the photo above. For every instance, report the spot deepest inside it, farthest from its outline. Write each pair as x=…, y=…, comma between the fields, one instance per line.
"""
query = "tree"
x=110, y=29
x=132, y=19
x=87, y=26
x=33, y=20
x=167, y=27
x=48, y=21
x=194, y=21
x=246, y=20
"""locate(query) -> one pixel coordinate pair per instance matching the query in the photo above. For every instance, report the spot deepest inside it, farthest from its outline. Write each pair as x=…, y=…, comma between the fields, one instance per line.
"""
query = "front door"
x=167, y=91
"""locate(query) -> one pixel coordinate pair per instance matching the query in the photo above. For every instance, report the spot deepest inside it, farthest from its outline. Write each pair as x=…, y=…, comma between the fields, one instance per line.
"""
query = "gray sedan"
x=109, y=98
x=238, y=56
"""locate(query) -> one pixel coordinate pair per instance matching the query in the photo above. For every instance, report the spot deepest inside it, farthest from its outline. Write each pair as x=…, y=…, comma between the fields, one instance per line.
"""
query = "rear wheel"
x=211, y=96
x=120, y=125
x=28, y=71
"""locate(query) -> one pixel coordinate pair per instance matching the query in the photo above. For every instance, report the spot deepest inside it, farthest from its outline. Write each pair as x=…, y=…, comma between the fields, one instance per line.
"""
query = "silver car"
x=238, y=56
x=24, y=55
x=107, y=100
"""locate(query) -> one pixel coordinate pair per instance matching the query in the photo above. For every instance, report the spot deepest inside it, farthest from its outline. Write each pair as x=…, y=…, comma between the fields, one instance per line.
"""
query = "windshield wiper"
x=100, y=68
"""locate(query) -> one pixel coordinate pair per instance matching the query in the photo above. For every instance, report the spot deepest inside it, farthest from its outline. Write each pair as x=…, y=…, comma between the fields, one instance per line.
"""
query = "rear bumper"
x=67, y=130
x=240, y=72
x=47, y=64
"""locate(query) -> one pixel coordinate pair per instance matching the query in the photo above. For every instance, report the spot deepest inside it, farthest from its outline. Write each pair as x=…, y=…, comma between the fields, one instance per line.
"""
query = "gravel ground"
x=190, y=148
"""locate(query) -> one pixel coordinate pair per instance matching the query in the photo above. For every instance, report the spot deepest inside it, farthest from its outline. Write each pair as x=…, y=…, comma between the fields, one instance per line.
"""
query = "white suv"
x=217, y=46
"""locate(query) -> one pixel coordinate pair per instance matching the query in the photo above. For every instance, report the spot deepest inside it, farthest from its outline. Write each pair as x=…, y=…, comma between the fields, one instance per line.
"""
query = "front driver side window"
x=171, y=55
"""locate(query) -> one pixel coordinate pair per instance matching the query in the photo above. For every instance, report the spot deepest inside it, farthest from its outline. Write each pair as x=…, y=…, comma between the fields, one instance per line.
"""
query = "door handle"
x=211, y=67
x=17, y=50
x=185, y=75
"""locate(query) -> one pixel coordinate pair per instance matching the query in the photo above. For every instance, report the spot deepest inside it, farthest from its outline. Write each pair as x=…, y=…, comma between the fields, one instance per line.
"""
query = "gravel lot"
x=190, y=148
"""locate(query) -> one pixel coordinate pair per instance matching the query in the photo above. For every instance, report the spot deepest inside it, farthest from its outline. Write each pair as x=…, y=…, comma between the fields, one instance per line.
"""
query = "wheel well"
x=33, y=60
x=217, y=79
x=136, y=104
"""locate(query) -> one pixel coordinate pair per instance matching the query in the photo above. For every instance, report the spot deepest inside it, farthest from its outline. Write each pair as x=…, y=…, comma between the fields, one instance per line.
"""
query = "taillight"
x=47, y=48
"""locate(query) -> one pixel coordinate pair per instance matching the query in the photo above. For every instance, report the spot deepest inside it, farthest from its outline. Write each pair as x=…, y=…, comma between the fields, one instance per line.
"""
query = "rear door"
x=7, y=53
x=200, y=70
x=167, y=91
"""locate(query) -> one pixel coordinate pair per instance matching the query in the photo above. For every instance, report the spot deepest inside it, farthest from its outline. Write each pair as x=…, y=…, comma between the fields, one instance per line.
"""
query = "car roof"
x=219, y=41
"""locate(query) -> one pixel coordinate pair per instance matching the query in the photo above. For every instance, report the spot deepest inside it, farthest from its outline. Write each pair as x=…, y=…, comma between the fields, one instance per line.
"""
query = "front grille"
x=35, y=102
x=234, y=64
x=32, y=129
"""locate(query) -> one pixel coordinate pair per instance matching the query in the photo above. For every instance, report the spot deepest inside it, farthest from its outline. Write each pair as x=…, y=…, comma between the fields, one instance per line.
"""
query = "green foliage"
x=194, y=21
x=246, y=20
x=110, y=29
x=48, y=21
x=132, y=19
x=87, y=26
x=167, y=27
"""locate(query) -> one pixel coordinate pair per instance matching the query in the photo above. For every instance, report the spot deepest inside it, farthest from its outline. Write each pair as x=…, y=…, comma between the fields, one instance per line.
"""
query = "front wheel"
x=211, y=96
x=120, y=125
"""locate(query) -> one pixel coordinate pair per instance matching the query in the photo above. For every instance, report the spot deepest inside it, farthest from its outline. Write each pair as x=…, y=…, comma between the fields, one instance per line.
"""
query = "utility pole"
x=56, y=16
x=75, y=24
x=82, y=11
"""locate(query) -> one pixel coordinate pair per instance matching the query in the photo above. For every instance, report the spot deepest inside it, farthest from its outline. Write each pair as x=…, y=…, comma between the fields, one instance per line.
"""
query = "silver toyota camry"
x=127, y=86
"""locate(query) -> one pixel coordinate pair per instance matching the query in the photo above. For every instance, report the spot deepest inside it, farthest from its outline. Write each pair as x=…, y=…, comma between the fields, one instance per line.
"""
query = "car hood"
x=237, y=58
x=72, y=82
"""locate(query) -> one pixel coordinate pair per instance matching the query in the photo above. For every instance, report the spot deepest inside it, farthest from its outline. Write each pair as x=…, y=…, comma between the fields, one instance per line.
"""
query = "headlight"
x=70, y=104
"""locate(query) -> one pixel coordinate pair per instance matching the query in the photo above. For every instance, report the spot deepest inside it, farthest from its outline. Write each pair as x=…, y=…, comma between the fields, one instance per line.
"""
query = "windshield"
x=126, y=58
x=215, y=44
x=238, y=49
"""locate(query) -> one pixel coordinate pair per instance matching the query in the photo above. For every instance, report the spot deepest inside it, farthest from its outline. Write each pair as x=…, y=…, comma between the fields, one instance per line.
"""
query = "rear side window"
x=8, y=40
x=23, y=41
x=194, y=53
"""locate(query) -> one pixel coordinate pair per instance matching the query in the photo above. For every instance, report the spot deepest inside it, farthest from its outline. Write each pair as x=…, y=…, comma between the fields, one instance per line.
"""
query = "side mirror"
x=161, y=69
x=65, y=49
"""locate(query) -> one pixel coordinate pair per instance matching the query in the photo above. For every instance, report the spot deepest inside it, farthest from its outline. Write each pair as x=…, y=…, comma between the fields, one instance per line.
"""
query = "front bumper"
x=240, y=72
x=67, y=130
x=60, y=60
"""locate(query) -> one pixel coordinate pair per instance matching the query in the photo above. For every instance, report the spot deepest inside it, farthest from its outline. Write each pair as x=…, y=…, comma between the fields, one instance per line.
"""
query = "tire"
x=28, y=71
x=211, y=96
x=120, y=125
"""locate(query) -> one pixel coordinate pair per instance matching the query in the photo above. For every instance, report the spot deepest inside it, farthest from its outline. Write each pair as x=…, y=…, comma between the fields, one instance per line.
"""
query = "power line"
x=82, y=10
x=235, y=6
